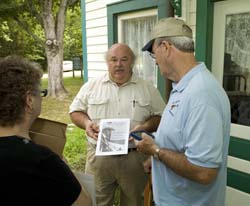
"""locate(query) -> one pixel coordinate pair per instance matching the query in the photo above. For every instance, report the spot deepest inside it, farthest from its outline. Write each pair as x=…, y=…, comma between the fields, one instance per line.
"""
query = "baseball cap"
x=168, y=27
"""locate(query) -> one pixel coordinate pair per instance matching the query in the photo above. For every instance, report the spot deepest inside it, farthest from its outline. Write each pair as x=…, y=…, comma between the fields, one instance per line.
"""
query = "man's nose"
x=119, y=62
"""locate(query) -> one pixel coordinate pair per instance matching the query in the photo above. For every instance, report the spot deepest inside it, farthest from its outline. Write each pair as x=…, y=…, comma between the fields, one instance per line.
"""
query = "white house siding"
x=189, y=13
x=97, y=34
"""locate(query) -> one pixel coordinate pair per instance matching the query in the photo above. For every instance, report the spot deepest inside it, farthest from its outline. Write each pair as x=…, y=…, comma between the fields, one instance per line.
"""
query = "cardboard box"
x=49, y=133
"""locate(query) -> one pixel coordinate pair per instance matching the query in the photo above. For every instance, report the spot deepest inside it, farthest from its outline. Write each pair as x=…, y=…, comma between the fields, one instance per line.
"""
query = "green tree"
x=13, y=40
x=73, y=34
x=48, y=16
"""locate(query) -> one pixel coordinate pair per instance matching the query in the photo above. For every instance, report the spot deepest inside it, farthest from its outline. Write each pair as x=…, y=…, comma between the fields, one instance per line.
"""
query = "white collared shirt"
x=101, y=98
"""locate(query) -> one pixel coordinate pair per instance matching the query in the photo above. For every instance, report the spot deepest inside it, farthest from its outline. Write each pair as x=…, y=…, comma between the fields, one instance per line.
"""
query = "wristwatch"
x=156, y=154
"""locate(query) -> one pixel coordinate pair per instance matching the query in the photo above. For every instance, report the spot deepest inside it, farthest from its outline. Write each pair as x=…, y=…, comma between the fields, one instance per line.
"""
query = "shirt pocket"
x=141, y=110
x=97, y=108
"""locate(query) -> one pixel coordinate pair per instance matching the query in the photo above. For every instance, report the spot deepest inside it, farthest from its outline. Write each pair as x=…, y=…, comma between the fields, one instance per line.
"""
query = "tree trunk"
x=52, y=19
x=55, y=77
x=54, y=29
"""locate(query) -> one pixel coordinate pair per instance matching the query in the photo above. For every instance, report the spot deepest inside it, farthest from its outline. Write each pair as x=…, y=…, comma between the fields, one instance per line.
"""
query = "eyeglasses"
x=153, y=54
x=44, y=92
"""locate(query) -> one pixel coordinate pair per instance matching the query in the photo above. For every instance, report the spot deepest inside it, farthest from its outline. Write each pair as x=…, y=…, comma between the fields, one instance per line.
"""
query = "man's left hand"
x=146, y=145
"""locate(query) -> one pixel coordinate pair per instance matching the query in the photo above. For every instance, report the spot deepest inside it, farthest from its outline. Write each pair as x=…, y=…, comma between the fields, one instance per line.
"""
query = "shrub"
x=75, y=148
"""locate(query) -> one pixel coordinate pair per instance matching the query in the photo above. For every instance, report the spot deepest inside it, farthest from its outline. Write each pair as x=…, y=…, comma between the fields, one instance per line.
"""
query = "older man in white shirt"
x=117, y=94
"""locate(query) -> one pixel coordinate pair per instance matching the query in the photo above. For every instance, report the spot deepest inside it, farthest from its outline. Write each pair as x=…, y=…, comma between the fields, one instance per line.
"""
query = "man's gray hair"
x=183, y=43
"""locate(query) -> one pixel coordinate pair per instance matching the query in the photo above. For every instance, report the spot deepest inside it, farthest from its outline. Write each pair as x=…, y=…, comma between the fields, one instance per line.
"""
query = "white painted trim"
x=131, y=15
x=136, y=14
x=236, y=197
x=240, y=131
x=238, y=164
x=185, y=10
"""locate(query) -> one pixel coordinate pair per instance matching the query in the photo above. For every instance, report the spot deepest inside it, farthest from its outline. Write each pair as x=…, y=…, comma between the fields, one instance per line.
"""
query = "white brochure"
x=113, y=137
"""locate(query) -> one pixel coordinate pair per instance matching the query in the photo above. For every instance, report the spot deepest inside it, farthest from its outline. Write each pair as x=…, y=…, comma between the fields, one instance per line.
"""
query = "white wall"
x=97, y=37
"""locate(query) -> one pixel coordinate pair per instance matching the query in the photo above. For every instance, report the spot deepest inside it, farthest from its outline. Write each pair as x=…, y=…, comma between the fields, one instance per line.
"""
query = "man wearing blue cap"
x=191, y=144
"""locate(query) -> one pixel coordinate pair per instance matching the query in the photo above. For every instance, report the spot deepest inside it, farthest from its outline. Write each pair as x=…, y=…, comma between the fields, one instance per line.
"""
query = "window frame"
x=163, y=8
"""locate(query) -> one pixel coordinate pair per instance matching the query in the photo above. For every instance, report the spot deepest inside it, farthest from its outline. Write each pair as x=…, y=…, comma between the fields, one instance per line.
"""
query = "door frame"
x=238, y=177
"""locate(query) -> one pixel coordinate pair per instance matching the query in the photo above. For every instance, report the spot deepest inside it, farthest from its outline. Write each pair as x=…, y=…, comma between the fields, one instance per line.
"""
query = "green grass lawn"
x=57, y=110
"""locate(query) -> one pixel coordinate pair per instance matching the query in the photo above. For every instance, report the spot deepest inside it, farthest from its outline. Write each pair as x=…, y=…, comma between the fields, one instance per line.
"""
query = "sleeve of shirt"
x=203, y=135
x=80, y=101
x=157, y=103
x=57, y=184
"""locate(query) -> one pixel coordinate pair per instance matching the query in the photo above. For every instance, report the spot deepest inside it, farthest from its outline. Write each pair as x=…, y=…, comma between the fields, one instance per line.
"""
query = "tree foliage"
x=73, y=34
x=35, y=29
x=14, y=40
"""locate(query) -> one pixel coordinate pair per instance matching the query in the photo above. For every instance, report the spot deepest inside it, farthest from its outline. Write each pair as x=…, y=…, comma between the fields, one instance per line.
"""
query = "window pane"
x=136, y=32
x=236, y=79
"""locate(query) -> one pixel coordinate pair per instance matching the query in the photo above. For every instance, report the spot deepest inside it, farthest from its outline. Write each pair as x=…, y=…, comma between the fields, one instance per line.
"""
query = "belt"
x=132, y=149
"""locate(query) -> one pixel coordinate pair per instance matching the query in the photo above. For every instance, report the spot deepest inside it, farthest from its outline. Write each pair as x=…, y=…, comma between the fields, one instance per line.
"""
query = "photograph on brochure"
x=113, y=137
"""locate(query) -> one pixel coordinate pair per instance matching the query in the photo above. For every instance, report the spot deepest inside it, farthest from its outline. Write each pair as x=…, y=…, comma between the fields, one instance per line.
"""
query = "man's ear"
x=166, y=46
x=29, y=101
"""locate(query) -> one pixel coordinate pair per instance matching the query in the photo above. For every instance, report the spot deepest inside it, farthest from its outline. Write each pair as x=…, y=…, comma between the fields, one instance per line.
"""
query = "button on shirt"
x=195, y=122
x=101, y=98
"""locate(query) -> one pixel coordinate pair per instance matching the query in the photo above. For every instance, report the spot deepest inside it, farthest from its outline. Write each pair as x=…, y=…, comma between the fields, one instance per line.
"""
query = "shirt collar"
x=182, y=84
x=134, y=79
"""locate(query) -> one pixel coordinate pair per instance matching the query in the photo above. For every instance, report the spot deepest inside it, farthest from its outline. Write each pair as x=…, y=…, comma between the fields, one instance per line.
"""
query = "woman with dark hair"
x=30, y=174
